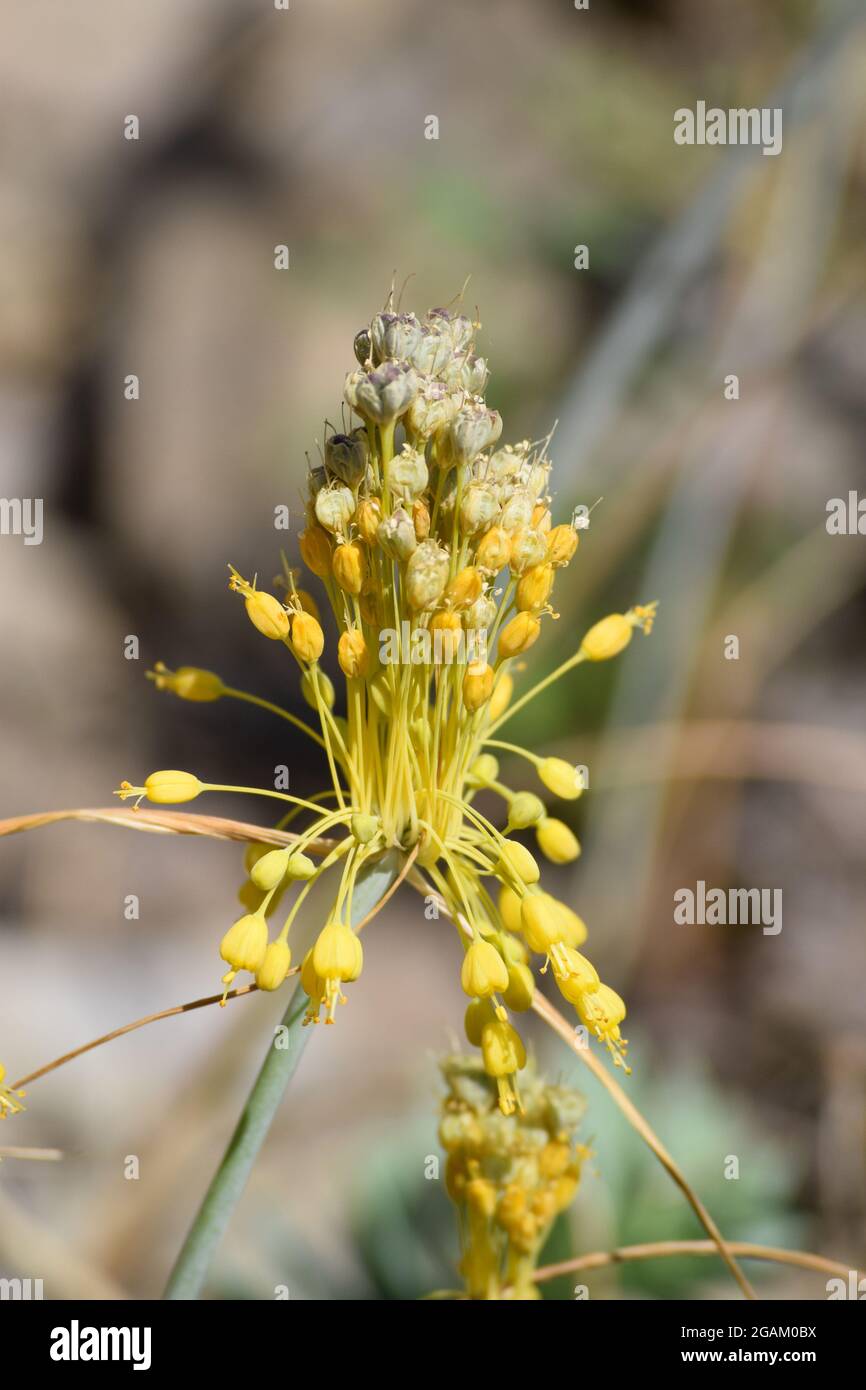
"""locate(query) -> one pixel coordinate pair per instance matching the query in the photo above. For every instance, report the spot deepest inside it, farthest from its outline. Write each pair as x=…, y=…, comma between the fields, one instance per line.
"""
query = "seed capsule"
x=426, y=575
x=396, y=535
x=335, y=507
x=406, y=474
x=420, y=519
x=385, y=393
x=362, y=346
x=432, y=351
x=478, y=508
x=473, y=429
x=394, y=335
x=516, y=511
x=347, y=455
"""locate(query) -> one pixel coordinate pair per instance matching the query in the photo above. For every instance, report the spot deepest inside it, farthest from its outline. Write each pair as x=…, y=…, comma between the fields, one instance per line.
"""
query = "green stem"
x=210, y=1224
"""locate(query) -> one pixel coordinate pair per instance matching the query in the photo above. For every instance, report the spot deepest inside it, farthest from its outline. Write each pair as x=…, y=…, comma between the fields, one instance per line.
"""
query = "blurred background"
x=155, y=257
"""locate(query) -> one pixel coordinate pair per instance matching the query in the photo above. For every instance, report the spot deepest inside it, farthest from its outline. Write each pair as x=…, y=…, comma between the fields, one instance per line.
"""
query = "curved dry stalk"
x=627, y=1254
x=131, y=1027
x=554, y=1019
x=167, y=823
x=39, y=1155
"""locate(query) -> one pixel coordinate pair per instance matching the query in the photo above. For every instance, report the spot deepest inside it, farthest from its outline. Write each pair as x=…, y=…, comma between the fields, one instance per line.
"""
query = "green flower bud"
x=525, y=809
x=270, y=870
x=365, y=828
x=299, y=866
x=325, y=684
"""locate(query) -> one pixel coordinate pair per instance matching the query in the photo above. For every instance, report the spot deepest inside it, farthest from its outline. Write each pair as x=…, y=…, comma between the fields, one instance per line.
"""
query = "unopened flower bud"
x=353, y=654
x=367, y=518
x=556, y=841
x=501, y=697
x=525, y=809
x=561, y=545
x=316, y=551
x=270, y=869
x=560, y=777
x=421, y=519
x=349, y=564
x=516, y=860
x=300, y=866
x=396, y=535
x=308, y=640
x=365, y=828
x=464, y=588
x=518, y=635
x=534, y=589
x=385, y=393
x=477, y=687
x=485, y=768
x=494, y=550
x=446, y=631
x=521, y=988
x=310, y=680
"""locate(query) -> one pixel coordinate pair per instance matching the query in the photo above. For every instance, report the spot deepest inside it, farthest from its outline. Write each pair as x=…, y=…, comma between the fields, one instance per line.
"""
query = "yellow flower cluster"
x=509, y=1176
x=436, y=550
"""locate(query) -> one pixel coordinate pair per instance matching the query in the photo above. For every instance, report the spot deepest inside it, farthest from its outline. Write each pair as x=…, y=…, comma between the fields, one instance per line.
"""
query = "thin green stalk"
x=283, y=1055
